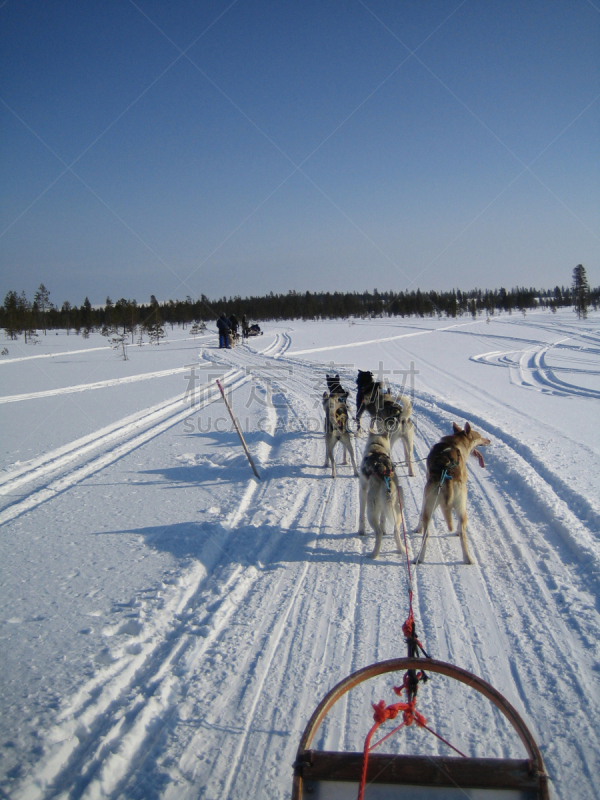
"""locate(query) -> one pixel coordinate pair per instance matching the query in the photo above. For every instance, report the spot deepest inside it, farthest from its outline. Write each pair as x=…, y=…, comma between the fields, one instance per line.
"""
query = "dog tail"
x=406, y=405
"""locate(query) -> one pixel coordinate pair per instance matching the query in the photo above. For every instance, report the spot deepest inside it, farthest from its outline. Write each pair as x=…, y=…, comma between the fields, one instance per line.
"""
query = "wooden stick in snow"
x=239, y=432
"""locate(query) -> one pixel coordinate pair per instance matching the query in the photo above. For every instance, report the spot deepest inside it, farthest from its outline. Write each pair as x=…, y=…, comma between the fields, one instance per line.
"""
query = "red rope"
x=410, y=592
x=381, y=715
x=410, y=683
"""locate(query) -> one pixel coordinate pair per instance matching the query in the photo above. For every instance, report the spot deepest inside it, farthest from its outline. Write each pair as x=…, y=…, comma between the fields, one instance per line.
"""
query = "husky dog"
x=447, y=483
x=396, y=413
x=369, y=395
x=336, y=423
x=377, y=401
x=380, y=494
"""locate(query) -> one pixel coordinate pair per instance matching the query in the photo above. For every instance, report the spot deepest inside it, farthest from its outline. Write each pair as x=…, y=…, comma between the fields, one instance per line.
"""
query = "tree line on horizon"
x=19, y=315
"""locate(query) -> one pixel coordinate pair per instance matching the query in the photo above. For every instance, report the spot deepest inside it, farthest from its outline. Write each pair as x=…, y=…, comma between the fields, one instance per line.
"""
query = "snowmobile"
x=254, y=330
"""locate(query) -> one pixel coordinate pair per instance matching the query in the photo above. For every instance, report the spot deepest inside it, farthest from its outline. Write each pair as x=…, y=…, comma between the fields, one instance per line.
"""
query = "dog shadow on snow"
x=267, y=546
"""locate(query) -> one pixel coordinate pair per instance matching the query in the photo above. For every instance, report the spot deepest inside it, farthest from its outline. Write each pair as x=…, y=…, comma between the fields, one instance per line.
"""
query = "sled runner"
x=321, y=775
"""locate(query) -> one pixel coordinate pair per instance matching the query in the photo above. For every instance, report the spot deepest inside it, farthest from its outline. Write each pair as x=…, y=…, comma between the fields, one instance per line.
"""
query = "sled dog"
x=374, y=399
x=447, y=483
x=336, y=423
x=397, y=411
x=369, y=395
x=380, y=495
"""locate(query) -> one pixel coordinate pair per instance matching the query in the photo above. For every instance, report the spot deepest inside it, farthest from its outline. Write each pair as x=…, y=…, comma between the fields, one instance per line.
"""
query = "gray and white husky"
x=395, y=409
x=380, y=494
x=397, y=412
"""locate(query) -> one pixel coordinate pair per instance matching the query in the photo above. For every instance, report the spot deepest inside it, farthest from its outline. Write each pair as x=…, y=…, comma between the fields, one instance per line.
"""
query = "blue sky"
x=244, y=147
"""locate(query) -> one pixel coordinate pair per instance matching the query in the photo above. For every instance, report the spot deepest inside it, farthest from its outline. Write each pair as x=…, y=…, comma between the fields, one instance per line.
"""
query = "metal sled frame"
x=524, y=778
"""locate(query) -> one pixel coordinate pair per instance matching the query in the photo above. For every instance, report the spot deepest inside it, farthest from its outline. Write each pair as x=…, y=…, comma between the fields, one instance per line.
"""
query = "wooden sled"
x=321, y=775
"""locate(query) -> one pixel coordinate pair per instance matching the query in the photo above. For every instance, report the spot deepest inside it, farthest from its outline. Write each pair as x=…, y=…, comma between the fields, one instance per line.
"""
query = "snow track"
x=55, y=462
x=88, y=387
x=531, y=369
x=117, y=440
x=217, y=680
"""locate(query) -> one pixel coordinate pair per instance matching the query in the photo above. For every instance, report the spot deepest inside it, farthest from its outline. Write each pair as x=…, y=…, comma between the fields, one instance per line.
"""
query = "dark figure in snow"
x=235, y=325
x=244, y=326
x=224, y=328
x=369, y=395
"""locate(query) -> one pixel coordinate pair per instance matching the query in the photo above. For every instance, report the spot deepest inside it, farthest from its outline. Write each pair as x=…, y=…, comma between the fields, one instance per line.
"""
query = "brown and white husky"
x=446, y=484
x=336, y=423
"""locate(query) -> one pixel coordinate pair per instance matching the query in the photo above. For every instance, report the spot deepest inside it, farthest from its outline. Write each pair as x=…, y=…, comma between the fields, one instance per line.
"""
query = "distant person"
x=244, y=326
x=234, y=325
x=224, y=328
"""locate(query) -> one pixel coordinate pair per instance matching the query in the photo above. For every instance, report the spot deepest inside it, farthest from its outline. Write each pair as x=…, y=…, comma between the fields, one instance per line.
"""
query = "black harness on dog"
x=381, y=465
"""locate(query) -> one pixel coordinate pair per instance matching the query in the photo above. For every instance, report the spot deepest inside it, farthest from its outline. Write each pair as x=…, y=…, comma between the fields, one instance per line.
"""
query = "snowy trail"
x=124, y=431
x=365, y=342
x=217, y=682
x=85, y=350
x=530, y=368
x=88, y=387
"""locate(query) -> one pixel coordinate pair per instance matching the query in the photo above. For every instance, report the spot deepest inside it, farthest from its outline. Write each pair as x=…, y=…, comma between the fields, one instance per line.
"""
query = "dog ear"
x=457, y=428
x=467, y=428
x=325, y=395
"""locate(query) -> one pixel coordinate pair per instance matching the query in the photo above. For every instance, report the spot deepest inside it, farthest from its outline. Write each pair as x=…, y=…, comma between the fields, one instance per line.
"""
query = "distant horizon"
x=18, y=315
x=371, y=292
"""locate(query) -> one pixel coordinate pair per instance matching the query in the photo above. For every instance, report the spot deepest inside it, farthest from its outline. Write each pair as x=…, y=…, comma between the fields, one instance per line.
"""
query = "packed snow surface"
x=169, y=623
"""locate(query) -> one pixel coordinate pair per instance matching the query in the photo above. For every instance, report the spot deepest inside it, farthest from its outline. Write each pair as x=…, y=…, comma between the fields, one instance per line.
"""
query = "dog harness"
x=450, y=464
x=381, y=465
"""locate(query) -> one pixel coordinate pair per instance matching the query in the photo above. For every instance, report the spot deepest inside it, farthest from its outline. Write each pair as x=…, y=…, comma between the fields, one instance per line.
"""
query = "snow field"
x=190, y=617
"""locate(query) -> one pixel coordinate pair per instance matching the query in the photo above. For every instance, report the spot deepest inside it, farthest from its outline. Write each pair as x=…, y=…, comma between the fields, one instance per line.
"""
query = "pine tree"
x=154, y=324
x=198, y=327
x=86, y=318
x=66, y=314
x=25, y=315
x=11, y=317
x=581, y=291
x=42, y=301
x=119, y=344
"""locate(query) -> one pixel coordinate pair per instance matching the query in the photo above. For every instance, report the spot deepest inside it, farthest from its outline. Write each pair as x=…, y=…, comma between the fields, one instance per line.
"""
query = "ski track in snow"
x=283, y=603
x=85, y=350
x=88, y=387
x=529, y=368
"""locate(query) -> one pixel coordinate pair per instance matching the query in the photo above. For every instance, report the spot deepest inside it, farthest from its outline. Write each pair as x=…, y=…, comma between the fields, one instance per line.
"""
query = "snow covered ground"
x=168, y=623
